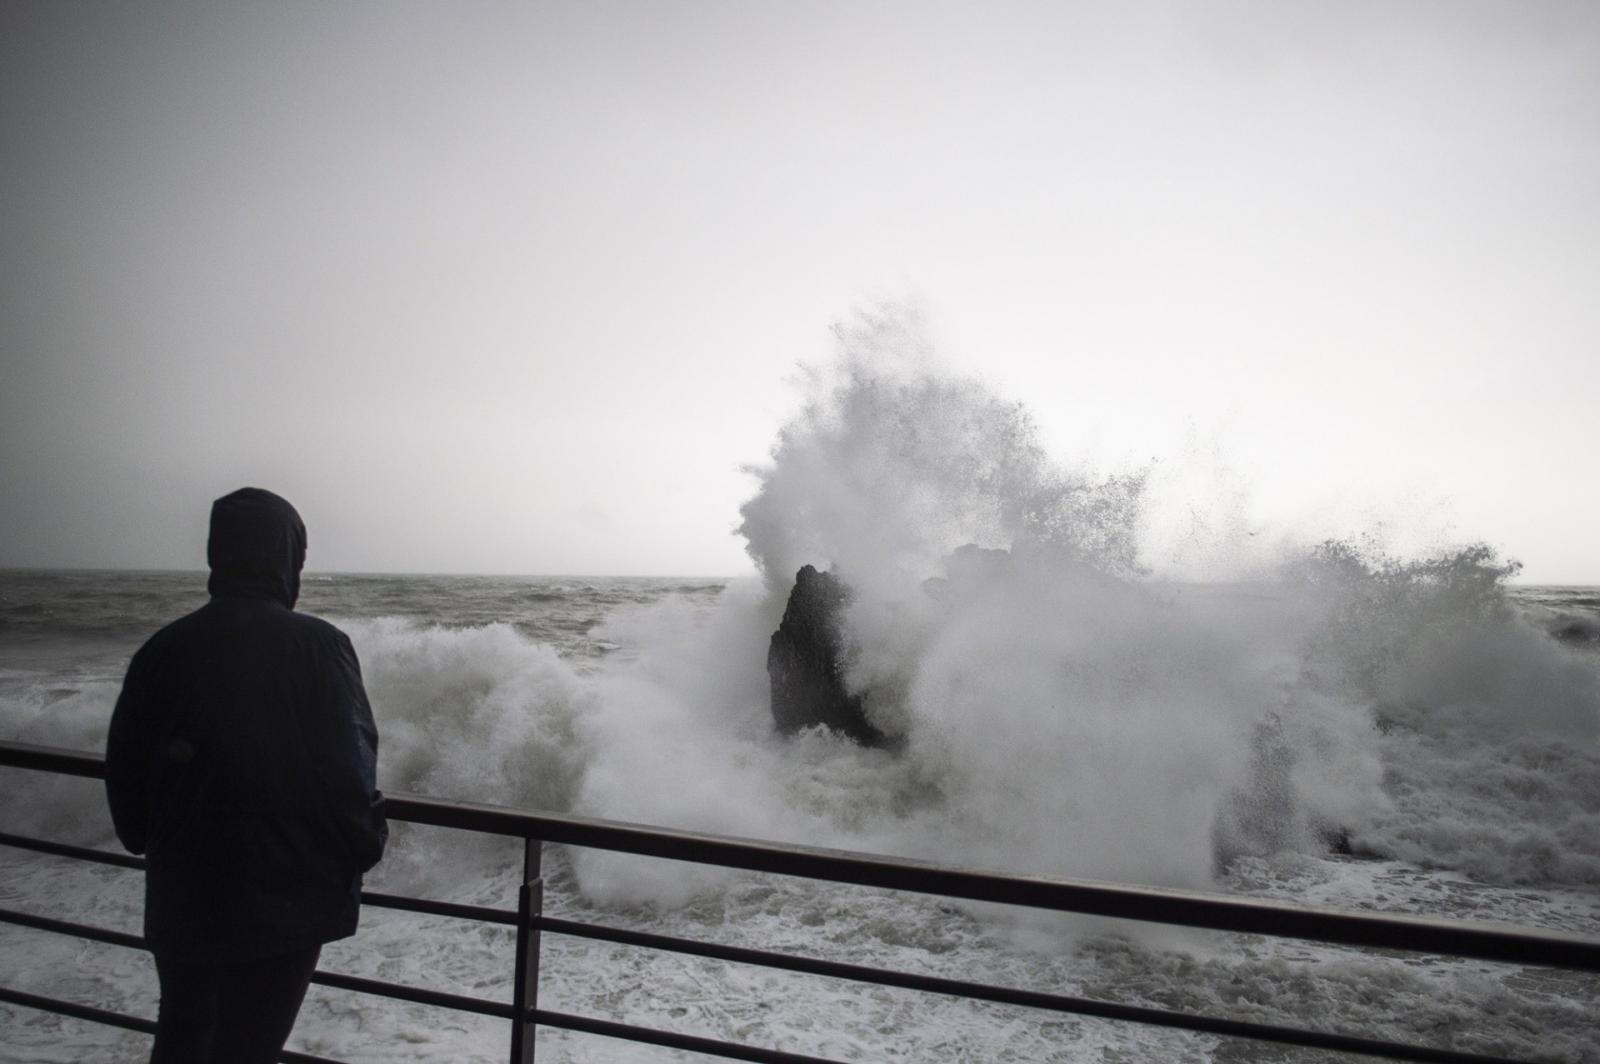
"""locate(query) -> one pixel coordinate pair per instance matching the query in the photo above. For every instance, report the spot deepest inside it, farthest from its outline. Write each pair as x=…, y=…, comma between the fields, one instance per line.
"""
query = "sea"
x=1352, y=732
x=1113, y=673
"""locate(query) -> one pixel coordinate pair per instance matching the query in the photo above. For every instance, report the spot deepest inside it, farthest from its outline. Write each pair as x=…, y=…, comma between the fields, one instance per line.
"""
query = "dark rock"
x=805, y=662
x=1337, y=840
x=1260, y=817
x=1265, y=815
x=1576, y=631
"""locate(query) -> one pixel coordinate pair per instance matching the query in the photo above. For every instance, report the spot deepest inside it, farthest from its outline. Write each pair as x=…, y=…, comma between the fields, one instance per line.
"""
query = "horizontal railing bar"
x=416, y=994
x=400, y=991
x=382, y=901
x=67, y=927
x=507, y=917
x=118, y=1019
x=1211, y=912
x=1476, y=941
x=53, y=759
x=835, y=969
x=76, y=1011
x=1025, y=998
x=61, y=849
x=673, y=1040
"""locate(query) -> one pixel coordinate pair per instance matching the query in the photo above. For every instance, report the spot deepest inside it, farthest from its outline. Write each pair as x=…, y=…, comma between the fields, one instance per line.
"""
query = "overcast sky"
x=519, y=287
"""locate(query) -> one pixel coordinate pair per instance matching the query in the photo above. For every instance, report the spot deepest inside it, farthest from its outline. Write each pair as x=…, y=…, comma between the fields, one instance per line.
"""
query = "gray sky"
x=517, y=287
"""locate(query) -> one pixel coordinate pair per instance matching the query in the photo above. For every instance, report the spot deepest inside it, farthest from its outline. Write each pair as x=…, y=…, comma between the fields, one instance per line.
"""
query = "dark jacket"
x=242, y=757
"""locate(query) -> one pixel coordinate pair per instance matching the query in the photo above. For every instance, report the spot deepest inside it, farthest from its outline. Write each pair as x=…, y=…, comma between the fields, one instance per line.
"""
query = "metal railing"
x=1447, y=938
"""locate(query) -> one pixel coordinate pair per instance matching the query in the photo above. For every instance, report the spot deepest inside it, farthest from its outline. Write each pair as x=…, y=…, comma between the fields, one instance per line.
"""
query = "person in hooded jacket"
x=241, y=760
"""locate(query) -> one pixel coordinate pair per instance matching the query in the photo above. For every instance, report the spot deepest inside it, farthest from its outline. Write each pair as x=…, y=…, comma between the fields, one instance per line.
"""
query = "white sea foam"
x=1058, y=709
x=1070, y=718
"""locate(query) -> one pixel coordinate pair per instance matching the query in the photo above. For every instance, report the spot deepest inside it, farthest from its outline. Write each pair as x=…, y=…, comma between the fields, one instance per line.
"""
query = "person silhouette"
x=242, y=760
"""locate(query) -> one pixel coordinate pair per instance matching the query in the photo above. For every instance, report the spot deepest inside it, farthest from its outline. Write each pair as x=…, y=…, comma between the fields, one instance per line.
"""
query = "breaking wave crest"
x=1057, y=707
x=1489, y=725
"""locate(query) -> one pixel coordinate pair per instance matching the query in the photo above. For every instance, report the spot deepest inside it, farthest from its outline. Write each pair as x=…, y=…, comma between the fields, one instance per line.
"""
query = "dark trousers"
x=238, y=1013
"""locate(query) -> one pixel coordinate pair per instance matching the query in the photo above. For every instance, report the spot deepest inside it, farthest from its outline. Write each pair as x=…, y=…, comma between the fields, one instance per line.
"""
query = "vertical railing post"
x=525, y=988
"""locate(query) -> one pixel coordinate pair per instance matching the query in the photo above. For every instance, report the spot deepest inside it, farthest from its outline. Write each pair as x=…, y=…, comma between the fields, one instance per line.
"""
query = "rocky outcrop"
x=1575, y=631
x=805, y=662
x=1267, y=815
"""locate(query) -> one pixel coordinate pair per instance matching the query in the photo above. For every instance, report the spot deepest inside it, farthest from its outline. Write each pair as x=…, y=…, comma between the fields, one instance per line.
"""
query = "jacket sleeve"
x=343, y=741
x=128, y=780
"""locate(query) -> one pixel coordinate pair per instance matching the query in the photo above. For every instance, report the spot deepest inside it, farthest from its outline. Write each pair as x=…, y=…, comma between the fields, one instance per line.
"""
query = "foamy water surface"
x=597, y=697
x=1330, y=724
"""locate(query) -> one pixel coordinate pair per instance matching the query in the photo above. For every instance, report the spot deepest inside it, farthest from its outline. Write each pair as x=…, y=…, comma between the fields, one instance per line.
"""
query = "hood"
x=257, y=546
